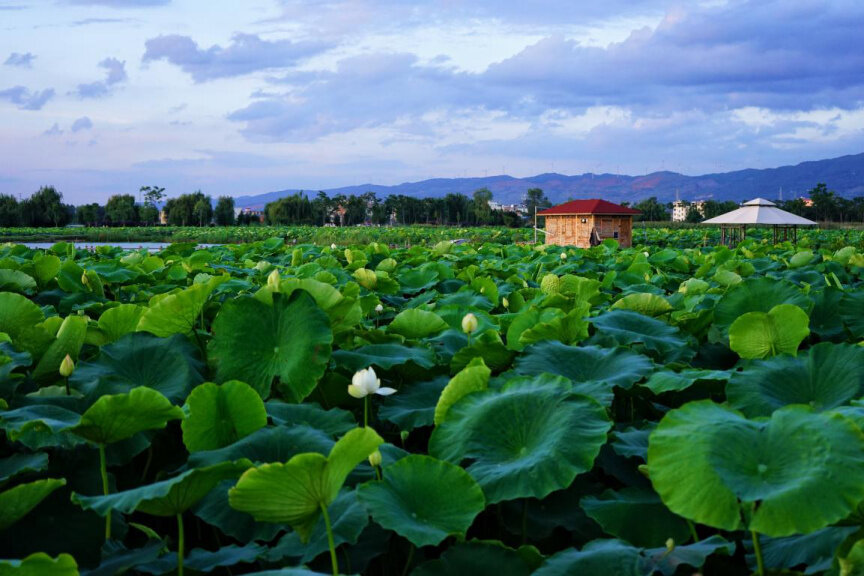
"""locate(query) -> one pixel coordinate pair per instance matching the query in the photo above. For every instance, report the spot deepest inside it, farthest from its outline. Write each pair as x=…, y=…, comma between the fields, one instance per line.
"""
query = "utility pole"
x=535, y=223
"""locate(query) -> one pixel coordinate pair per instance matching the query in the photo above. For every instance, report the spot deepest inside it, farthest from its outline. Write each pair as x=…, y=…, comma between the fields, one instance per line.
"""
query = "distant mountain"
x=844, y=175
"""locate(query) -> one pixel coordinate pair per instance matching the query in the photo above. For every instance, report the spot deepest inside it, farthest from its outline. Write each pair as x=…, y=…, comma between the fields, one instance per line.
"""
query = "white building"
x=680, y=209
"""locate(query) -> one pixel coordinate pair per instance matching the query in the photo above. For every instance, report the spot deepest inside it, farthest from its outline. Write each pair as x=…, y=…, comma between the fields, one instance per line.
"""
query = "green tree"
x=224, y=212
x=535, y=198
x=153, y=195
x=89, y=214
x=825, y=203
x=202, y=211
x=10, y=212
x=482, y=211
x=713, y=208
x=180, y=211
x=652, y=210
x=120, y=210
x=693, y=215
x=44, y=208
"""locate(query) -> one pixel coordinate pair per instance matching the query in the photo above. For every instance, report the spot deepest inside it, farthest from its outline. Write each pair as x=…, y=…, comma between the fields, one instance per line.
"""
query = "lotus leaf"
x=219, y=415
x=779, y=331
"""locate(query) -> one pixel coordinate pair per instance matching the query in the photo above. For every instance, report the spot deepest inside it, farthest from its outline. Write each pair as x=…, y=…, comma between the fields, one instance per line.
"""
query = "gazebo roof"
x=760, y=211
x=593, y=206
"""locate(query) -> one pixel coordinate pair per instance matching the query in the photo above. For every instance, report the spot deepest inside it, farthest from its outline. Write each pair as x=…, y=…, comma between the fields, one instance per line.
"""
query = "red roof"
x=593, y=206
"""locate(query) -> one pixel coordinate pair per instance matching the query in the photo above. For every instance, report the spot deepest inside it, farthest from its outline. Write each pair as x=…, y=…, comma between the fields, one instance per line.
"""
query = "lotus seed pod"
x=469, y=323
x=550, y=284
x=67, y=366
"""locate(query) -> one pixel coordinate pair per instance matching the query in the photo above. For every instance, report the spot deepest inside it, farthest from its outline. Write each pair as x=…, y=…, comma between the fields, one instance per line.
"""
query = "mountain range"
x=844, y=175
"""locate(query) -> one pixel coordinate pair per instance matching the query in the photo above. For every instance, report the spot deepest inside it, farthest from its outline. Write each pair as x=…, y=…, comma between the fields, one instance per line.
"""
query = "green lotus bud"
x=404, y=436
x=375, y=458
x=273, y=281
x=297, y=257
x=67, y=366
x=505, y=303
x=84, y=279
x=563, y=256
x=670, y=545
x=262, y=265
x=469, y=323
x=550, y=284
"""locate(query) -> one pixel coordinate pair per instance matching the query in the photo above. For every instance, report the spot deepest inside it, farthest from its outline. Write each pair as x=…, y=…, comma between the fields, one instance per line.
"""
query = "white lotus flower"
x=469, y=323
x=332, y=246
x=563, y=255
x=366, y=382
x=379, y=309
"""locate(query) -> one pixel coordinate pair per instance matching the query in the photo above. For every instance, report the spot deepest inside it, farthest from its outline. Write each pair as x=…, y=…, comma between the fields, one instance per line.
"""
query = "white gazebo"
x=757, y=212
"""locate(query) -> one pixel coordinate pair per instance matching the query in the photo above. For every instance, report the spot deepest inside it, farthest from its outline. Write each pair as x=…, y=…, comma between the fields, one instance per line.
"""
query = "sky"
x=100, y=97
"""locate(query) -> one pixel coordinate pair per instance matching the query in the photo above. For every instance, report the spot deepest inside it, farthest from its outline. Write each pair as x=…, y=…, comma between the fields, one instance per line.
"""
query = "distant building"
x=586, y=223
x=680, y=209
x=517, y=208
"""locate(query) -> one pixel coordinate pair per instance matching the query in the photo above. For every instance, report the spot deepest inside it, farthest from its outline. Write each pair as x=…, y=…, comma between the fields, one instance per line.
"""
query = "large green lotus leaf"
x=852, y=312
x=570, y=328
x=414, y=280
x=21, y=463
x=643, y=303
x=343, y=308
x=416, y=323
x=527, y=440
x=610, y=366
x=615, y=511
x=668, y=381
x=167, y=365
x=20, y=319
x=815, y=550
x=415, y=404
x=616, y=557
x=119, y=416
x=473, y=378
x=348, y=518
x=18, y=501
x=117, y=559
x=40, y=564
x=794, y=473
x=757, y=295
x=825, y=317
x=478, y=558
x=16, y=281
x=760, y=334
x=423, y=499
x=217, y=416
x=824, y=377
x=121, y=320
x=290, y=340
x=295, y=492
x=334, y=421
x=177, y=313
x=204, y=561
x=45, y=268
x=524, y=321
x=661, y=341
x=167, y=497
x=215, y=510
x=40, y=425
x=384, y=356
x=69, y=340
x=268, y=445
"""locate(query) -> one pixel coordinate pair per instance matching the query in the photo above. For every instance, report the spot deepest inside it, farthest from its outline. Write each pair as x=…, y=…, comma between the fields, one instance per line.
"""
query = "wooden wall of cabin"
x=571, y=231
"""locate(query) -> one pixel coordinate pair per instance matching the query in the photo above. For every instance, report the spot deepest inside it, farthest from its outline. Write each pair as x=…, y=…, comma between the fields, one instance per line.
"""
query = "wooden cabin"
x=586, y=223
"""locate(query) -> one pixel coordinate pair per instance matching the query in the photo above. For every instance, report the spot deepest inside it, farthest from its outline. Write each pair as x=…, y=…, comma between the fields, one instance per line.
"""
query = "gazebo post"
x=775, y=234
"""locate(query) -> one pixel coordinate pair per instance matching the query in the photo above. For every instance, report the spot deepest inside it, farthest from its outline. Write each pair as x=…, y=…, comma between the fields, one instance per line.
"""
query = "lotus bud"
x=505, y=303
x=273, y=281
x=379, y=309
x=563, y=256
x=84, y=280
x=469, y=323
x=67, y=366
x=670, y=545
x=262, y=265
x=332, y=246
x=375, y=459
x=404, y=436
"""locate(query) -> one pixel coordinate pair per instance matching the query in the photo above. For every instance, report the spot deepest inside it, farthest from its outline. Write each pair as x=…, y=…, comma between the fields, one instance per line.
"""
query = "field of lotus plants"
x=477, y=408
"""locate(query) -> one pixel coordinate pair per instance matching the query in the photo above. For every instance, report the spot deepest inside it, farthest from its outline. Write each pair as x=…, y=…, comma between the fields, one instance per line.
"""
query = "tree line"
x=46, y=208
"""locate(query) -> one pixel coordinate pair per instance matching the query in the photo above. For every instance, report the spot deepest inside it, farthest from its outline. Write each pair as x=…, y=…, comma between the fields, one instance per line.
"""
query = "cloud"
x=89, y=21
x=708, y=58
x=120, y=3
x=115, y=73
x=247, y=53
x=83, y=123
x=24, y=99
x=21, y=60
x=53, y=131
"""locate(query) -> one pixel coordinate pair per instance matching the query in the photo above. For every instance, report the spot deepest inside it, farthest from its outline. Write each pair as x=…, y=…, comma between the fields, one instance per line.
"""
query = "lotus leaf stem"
x=330, y=542
x=181, y=544
x=757, y=550
x=409, y=560
x=366, y=411
x=103, y=470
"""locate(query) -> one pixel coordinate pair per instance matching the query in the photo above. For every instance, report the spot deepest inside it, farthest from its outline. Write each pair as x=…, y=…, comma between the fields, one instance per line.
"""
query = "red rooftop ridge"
x=592, y=206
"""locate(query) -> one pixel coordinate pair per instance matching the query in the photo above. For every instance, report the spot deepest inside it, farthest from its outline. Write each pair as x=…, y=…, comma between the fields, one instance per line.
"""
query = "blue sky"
x=103, y=96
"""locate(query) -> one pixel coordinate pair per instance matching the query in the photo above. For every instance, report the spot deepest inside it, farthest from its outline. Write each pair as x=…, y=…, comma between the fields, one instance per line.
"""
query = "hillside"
x=845, y=175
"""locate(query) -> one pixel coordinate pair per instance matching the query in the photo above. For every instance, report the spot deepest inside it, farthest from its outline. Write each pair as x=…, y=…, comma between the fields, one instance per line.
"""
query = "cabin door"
x=606, y=227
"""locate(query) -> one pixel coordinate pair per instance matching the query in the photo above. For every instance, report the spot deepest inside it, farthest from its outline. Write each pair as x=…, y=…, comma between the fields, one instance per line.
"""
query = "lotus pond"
x=482, y=409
